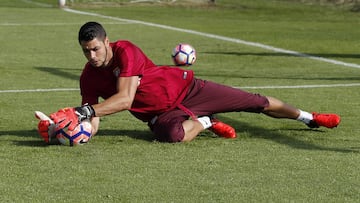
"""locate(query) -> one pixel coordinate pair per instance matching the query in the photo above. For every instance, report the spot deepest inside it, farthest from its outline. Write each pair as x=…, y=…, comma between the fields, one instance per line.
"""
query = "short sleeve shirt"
x=161, y=88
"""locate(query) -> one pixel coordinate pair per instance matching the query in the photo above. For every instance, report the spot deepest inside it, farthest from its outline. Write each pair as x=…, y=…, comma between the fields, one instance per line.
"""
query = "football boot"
x=326, y=120
x=222, y=129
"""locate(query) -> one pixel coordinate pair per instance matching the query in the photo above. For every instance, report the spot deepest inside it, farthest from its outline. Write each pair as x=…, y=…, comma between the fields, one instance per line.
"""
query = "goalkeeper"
x=176, y=105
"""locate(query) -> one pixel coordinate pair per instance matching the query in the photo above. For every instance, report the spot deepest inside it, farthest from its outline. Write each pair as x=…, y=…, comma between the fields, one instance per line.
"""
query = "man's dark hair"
x=91, y=30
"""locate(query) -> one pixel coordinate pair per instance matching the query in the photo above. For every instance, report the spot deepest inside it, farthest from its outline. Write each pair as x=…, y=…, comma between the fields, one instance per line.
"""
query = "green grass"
x=270, y=161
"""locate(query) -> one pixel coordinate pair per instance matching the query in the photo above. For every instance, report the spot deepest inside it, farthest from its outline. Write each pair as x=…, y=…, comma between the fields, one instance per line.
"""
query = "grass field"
x=270, y=161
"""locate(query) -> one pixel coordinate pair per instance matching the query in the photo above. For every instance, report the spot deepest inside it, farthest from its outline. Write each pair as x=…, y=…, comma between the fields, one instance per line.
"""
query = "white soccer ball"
x=61, y=3
x=184, y=55
x=80, y=135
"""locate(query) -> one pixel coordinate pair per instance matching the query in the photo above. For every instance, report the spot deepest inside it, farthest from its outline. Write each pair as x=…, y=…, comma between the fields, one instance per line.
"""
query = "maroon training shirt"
x=160, y=89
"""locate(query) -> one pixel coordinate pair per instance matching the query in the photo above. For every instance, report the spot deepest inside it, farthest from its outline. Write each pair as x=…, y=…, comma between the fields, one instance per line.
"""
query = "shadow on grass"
x=146, y=135
x=278, y=137
x=61, y=72
x=275, y=54
x=306, y=78
x=65, y=73
x=25, y=134
x=134, y=134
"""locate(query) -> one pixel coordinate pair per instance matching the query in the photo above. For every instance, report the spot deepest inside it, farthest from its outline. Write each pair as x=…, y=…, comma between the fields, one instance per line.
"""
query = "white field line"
x=300, y=86
x=40, y=90
x=244, y=87
x=56, y=24
x=239, y=41
x=37, y=3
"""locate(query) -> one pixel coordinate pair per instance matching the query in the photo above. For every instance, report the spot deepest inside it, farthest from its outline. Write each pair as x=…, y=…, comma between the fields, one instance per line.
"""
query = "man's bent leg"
x=191, y=129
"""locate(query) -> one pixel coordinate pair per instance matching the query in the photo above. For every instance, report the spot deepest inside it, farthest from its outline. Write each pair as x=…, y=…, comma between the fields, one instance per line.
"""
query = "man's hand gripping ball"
x=46, y=126
x=71, y=117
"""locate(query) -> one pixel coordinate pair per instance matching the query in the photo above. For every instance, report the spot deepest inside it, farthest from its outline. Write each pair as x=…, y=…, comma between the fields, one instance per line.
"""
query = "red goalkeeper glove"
x=46, y=127
x=71, y=117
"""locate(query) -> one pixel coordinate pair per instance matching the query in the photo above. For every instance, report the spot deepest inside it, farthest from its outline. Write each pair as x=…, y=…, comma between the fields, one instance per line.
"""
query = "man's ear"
x=106, y=41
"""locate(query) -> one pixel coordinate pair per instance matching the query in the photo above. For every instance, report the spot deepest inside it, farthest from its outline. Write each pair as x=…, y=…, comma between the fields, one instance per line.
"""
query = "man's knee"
x=171, y=131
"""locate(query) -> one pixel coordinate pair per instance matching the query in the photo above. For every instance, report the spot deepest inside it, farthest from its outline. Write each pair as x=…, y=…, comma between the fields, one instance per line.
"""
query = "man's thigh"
x=215, y=98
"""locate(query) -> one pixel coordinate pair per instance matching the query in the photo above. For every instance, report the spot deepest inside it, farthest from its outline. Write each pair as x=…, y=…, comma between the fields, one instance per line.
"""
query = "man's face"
x=96, y=51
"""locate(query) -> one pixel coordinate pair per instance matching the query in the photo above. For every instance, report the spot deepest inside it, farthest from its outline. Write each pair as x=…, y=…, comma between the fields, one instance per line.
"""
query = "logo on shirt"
x=116, y=71
x=185, y=75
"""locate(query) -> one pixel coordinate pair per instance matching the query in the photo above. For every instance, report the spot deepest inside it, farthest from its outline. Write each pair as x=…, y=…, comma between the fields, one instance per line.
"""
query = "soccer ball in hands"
x=184, y=55
x=80, y=135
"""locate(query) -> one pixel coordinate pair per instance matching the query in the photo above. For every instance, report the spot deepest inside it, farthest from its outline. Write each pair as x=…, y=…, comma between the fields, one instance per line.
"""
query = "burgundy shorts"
x=205, y=98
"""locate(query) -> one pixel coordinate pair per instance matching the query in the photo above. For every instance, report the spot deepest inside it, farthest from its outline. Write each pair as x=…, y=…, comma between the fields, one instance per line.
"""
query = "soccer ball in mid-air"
x=184, y=55
x=80, y=135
